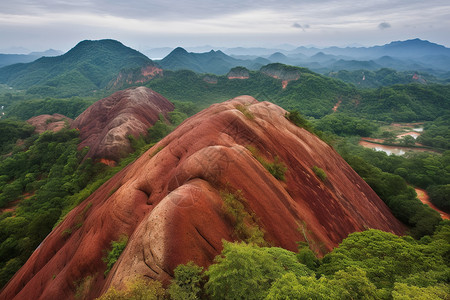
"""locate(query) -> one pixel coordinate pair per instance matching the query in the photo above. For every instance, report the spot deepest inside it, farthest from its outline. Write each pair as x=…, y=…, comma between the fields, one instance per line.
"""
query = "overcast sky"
x=143, y=24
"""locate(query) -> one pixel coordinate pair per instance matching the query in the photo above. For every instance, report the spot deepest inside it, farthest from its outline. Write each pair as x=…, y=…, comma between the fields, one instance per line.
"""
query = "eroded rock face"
x=282, y=72
x=169, y=203
x=136, y=75
x=105, y=125
x=238, y=73
x=54, y=122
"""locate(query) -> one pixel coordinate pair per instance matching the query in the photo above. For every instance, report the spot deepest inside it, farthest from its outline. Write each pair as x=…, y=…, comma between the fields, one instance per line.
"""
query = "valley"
x=201, y=166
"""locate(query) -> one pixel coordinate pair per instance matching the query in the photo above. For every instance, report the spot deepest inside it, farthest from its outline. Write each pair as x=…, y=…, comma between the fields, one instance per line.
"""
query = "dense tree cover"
x=11, y=131
x=71, y=107
x=314, y=94
x=43, y=176
x=344, y=125
x=188, y=282
x=366, y=265
x=437, y=133
x=426, y=170
x=89, y=66
x=440, y=196
x=393, y=189
x=8, y=97
x=246, y=271
x=402, y=103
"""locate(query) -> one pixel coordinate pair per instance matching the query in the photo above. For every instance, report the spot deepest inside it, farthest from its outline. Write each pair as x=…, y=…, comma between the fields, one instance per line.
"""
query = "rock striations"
x=105, y=125
x=170, y=203
x=53, y=123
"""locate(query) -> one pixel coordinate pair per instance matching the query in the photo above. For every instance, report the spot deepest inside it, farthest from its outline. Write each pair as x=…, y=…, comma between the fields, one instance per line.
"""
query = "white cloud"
x=211, y=21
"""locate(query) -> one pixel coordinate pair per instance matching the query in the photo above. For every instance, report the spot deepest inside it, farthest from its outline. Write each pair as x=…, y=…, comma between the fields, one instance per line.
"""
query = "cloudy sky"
x=143, y=24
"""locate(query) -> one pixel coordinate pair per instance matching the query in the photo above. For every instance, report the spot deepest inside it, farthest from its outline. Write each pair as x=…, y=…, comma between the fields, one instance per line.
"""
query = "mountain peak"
x=87, y=67
x=178, y=51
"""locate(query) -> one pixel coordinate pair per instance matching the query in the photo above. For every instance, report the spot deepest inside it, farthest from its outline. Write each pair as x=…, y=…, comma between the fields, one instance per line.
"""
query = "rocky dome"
x=105, y=125
x=54, y=122
x=169, y=203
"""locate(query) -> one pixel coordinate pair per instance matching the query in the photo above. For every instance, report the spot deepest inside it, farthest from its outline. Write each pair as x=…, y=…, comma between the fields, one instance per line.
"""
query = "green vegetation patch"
x=320, y=173
x=187, y=283
x=245, y=226
x=366, y=265
x=137, y=288
x=244, y=110
x=113, y=255
x=277, y=168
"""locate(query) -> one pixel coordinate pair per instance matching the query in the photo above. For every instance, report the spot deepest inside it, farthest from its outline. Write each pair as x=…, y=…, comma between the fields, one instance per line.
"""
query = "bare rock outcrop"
x=169, y=203
x=283, y=72
x=54, y=122
x=105, y=125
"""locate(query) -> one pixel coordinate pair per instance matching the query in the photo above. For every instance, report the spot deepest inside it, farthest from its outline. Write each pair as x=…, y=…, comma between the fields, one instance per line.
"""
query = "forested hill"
x=89, y=66
x=313, y=94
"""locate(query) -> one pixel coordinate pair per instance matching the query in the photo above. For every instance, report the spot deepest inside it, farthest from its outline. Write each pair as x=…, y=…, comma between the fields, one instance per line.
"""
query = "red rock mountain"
x=53, y=122
x=169, y=203
x=105, y=125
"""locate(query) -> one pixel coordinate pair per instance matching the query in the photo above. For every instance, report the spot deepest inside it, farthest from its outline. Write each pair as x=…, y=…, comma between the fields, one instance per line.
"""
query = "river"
x=397, y=150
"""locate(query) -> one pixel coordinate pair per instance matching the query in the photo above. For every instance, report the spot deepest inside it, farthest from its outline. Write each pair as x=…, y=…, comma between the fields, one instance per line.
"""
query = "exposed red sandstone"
x=54, y=122
x=138, y=75
x=105, y=125
x=168, y=202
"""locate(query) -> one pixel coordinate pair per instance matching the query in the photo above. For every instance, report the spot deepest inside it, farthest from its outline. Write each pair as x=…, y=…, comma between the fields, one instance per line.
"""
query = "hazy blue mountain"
x=354, y=65
x=215, y=62
x=410, y=55
x=406, y=49
x=9, y=59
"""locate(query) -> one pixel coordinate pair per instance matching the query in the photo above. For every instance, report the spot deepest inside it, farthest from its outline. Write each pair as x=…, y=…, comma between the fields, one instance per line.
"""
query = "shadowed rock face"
x=278, y=71
x=105, y=125
x=169, y=203
x=54, y=122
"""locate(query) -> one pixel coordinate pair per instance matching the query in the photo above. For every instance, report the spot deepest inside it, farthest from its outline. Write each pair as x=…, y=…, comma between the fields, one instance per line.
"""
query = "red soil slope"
x=105, y=125
x=168, y=202
x=53, y=122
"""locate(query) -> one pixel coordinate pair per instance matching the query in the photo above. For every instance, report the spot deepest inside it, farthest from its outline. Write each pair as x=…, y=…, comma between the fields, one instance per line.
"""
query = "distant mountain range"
x=215, y=62
x=410, y=55
x=9, y=59
x=407, y=55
